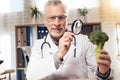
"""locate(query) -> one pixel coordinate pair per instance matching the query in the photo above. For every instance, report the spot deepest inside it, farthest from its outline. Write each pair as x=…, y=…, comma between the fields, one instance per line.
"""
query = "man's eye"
x=61, y=17
x=53, y=17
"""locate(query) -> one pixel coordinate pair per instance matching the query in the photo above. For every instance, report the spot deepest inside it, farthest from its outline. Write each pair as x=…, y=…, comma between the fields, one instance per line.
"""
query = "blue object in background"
x=28, y=35
x=98, y=27
x=21, y=75
x=42, y=31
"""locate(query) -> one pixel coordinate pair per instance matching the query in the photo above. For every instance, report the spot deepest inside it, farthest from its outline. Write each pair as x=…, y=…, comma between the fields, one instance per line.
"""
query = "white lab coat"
x=82, y=66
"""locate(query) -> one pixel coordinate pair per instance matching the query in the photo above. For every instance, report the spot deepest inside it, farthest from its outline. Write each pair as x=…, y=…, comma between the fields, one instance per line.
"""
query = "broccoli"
x=98, y=38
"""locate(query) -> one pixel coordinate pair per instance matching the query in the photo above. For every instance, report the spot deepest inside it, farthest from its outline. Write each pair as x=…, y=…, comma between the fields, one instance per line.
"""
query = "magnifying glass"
x=76, y=26
x=76, y=29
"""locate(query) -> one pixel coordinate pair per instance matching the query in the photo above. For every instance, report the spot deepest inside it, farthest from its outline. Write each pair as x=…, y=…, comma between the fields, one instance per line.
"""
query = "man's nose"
x=57, y=21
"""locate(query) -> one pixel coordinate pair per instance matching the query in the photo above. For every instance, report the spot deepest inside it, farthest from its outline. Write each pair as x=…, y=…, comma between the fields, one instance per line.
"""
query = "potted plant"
x=35, y=13
x=83, y=12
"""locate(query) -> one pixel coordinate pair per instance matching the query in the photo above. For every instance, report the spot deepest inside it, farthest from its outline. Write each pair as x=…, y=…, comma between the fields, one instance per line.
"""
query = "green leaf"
x=83, y=11
x=35, y=12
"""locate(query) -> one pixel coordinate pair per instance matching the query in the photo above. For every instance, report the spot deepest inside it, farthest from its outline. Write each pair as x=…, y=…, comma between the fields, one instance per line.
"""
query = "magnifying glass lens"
x=77, y=27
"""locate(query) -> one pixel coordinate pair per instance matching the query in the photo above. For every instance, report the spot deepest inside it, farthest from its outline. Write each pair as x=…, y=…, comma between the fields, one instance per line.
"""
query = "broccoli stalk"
x=98, y=38
x=98, y=48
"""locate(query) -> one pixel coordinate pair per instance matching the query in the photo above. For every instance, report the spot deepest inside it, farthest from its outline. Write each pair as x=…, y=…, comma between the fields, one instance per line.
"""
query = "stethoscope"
x=75, y=28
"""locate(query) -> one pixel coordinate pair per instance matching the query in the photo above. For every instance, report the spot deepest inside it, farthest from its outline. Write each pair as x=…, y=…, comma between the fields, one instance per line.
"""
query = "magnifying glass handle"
x=74, y=42
x=75, y=46
x=68, y=30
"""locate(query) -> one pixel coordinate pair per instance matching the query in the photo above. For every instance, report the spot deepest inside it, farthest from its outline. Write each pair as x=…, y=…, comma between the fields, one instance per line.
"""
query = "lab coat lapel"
x=54, y=48
x=70, y=51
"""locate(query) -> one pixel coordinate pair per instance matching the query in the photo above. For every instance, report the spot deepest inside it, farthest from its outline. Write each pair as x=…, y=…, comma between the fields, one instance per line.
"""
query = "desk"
x=82, y=79
x=9, y=71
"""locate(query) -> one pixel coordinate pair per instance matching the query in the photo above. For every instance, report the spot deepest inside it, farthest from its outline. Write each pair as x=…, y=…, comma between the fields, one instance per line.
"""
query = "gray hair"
x=55, y=2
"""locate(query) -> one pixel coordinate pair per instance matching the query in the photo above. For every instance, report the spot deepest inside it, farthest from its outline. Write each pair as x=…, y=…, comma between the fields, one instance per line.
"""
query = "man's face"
x=55, y=20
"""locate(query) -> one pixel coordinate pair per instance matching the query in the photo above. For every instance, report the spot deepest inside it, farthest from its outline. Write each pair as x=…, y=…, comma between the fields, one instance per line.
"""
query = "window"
x=4, y=6
x=17, y=5
x=115, y=3
x=7, y=6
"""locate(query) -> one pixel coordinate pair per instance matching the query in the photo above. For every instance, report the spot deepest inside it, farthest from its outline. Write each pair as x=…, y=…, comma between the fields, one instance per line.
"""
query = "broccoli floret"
x=98, y=38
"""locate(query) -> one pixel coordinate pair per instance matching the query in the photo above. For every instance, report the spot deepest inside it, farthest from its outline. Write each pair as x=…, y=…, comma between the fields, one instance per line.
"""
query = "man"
x=55, y=59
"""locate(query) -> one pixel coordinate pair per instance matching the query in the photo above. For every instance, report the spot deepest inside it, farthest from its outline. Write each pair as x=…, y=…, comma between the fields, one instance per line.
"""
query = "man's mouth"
x=57, y=29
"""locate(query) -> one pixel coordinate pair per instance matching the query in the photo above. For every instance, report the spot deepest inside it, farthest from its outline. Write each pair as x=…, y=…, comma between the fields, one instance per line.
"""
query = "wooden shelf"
x=25, y=36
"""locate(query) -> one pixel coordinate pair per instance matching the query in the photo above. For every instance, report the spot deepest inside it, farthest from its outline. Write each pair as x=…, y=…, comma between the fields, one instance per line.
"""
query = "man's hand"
x=64, y=44
x=104, y=62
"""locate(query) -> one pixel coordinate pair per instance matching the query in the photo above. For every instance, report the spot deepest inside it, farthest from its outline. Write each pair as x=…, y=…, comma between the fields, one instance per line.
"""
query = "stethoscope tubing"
x=43, y=46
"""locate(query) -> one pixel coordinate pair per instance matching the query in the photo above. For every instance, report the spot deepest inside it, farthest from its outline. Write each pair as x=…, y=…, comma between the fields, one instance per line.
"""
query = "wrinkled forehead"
x=54, y=3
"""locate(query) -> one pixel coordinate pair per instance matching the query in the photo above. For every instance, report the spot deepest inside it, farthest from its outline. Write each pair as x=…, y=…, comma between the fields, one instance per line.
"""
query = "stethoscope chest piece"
x=77, y=26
